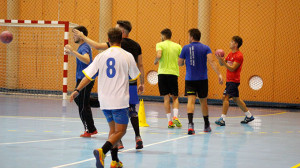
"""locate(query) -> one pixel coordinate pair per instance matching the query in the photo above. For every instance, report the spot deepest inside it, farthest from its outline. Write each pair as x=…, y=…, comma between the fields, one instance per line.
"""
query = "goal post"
x=32, y=62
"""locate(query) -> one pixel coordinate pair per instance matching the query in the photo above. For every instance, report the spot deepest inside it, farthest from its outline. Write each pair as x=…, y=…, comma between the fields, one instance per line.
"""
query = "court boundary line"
x=48, y=118
x=34, y=117
x=47, y=140
x=124, y=151
x=296, y=166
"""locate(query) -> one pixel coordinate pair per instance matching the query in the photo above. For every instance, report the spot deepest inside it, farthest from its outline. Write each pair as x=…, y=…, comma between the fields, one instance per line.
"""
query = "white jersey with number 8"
x=114, y=65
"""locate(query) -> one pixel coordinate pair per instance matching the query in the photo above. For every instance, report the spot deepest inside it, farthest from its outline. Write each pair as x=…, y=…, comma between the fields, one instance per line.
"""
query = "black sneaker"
x=207, y=129
x=191, y=130
x=247, y=119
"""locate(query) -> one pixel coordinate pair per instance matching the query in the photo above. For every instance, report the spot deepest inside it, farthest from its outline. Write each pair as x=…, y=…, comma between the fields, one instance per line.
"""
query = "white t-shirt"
x=115, y=65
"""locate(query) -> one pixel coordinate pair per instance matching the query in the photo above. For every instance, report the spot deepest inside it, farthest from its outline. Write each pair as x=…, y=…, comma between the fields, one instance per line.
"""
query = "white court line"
x=45, y=119
x=47, y=140
x=75, y=163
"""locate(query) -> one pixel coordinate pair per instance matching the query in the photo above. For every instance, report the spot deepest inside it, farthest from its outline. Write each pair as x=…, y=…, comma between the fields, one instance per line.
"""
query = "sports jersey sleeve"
x=183, y=52
x=239, y=58
x=139, y=49
x=92, y=69
x=85, y=50
x=208, y=50
x=179, y=49
x=134, y=72
x=159, y=47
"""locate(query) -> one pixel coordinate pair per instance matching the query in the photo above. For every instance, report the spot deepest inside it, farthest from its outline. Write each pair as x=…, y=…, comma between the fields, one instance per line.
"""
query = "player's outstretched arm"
x=215, y=67
x=92, y=43
x=141, y=87
x=84, y=82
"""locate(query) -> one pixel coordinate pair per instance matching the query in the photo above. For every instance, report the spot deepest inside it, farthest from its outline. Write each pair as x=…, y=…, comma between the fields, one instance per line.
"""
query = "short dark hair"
x=82, y=29
x=195, y=33
x=125, y=24
x=115, y=35
x=238, y=40
x=167, y=33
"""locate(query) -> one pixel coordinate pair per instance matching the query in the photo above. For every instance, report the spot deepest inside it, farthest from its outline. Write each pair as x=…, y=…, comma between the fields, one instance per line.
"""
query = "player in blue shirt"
x=196, y=55
x=83, y=59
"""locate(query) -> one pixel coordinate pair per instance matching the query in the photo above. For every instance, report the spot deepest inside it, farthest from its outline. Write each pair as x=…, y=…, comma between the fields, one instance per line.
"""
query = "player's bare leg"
x=168, y=110
x=221, y=120
x=249, y=117
x=175, y=119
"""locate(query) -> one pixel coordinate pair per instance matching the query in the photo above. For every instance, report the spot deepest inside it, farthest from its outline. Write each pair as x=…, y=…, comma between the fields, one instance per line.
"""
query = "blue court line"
x=86, y=160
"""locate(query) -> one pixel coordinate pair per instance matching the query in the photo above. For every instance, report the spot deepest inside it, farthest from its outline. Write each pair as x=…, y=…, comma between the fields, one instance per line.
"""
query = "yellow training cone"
x=142, y=115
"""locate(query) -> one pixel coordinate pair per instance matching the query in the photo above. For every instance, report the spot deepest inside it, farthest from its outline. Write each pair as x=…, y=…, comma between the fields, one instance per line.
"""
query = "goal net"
x=34, y=63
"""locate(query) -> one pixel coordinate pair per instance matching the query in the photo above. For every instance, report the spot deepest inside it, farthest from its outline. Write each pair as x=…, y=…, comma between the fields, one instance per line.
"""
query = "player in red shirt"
x=233, y=62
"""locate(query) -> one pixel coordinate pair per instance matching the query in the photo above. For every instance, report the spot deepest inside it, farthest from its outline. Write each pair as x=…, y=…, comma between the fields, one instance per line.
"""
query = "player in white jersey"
x=114, y=65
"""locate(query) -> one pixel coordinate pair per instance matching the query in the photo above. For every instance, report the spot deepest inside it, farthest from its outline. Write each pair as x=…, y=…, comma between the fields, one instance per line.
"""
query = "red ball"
x=220, y=52
x=6, y=37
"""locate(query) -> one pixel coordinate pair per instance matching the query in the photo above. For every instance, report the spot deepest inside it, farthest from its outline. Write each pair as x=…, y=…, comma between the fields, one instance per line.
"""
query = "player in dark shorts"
x=233, y=62
x=196, y=55
x=167, y=53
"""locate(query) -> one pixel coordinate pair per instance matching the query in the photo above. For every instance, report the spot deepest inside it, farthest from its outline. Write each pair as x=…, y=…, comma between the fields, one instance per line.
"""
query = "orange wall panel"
x=258, y=33
x=3, y=9
x=224, y=24
x=287, y=52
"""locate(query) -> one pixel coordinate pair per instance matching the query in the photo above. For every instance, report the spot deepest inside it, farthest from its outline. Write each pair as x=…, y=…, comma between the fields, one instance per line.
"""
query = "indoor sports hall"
x=41, y=128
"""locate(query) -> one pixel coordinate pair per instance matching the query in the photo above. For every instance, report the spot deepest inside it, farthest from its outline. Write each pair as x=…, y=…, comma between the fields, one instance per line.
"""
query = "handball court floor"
x=36, y=132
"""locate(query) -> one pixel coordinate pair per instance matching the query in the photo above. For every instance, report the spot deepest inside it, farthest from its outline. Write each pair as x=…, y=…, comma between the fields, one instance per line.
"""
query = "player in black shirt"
x=135, y=49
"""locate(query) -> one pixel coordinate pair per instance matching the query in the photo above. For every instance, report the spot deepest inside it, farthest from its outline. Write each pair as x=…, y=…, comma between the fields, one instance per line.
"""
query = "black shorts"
x=232, y=89
x=198, y=88
x=168, y=84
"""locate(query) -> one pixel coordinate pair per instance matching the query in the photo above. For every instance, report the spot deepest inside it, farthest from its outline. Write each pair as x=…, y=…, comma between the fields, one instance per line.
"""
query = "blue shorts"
x=119, y=116
x=133, y=94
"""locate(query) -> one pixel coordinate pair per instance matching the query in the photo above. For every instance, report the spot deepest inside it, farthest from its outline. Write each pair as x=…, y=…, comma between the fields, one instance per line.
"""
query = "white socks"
x=248, y=114
x=175, y=112
x=169, y=117
x=223, y=116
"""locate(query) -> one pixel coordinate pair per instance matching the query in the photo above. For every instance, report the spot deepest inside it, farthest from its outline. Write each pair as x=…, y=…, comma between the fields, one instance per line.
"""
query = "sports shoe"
x=177, y=122
x=139, y=142
x=99, y=155
x=247, y=119
x=115, y=164
x=171, y=124
x=207, y=129
x=191, y=130
x=220, y=122
x=87, y=135
x=120, y=145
